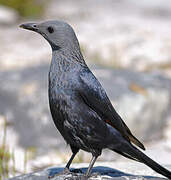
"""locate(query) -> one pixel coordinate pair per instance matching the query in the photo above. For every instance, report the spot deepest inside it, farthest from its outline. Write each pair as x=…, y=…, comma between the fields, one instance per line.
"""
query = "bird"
x=79, y=105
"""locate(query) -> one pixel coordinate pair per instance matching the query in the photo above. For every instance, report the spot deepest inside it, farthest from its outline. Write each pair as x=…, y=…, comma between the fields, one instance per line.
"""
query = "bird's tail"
x=133, y=153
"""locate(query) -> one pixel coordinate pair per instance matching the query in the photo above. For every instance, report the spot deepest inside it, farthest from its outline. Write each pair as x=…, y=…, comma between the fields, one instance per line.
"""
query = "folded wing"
x=95, y=97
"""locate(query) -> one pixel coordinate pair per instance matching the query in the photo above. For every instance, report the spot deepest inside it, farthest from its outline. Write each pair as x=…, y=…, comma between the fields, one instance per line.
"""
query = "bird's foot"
x=64, y=172
x=77, y=171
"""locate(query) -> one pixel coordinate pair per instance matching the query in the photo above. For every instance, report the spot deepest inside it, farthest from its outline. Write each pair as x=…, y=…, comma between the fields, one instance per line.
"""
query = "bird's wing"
x=95, y=97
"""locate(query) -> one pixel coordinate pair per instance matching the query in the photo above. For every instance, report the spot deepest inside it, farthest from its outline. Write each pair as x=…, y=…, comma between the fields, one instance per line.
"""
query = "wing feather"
x=95, y=96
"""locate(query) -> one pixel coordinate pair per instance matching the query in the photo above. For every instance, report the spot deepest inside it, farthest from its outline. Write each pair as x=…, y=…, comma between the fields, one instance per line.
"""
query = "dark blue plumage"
x=80, y=108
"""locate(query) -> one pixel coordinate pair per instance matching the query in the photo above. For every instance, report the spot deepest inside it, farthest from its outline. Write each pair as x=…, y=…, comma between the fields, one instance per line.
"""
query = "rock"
x=129, y=171
x=8, y=16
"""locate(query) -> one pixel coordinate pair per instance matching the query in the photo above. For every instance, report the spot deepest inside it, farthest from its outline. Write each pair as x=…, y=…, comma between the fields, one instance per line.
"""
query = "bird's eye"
x=50, y=29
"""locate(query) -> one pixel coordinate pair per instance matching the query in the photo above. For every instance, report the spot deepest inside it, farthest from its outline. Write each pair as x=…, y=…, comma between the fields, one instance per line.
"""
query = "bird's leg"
x=70, y=160
x=74, y=151
x=66, y=169
x=93, y=160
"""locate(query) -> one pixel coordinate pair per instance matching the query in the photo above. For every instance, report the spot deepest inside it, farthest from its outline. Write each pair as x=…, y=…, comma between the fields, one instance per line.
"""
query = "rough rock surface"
x=128, y=171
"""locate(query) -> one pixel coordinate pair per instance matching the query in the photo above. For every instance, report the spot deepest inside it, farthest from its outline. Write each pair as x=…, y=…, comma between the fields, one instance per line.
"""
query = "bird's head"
x=59, y=34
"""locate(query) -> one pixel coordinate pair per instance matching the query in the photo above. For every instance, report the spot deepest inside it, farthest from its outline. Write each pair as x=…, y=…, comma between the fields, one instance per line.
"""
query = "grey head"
x=60, y=36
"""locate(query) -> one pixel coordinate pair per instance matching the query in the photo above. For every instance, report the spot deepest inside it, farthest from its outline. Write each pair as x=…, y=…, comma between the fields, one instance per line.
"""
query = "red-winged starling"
x=80, y=107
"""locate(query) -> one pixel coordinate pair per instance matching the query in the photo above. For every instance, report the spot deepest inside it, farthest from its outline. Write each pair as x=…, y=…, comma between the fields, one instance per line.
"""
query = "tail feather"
x=135, y=153
x=127, y=156
x=132, y=138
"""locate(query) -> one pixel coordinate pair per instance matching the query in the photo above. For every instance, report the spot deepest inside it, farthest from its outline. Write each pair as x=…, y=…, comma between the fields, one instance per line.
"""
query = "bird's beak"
x=30, y=26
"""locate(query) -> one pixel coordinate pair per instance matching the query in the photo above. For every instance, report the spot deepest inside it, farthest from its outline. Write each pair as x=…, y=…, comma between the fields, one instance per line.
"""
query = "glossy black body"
x=80, y=108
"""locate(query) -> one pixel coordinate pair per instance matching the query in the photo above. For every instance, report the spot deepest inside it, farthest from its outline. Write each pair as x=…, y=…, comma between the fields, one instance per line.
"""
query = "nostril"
x=30, y=26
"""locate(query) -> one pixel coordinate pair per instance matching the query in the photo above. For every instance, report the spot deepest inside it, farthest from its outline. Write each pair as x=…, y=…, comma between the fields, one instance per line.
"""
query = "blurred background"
x=127, y=44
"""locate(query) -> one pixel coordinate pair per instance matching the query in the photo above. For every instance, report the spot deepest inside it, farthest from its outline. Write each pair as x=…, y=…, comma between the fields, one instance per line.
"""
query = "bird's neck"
x=63, y=61
x=71, y=52
x=63, y=71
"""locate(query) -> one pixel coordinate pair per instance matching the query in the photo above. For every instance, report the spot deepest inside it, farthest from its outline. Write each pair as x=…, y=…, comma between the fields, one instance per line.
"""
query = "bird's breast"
x=62, y=80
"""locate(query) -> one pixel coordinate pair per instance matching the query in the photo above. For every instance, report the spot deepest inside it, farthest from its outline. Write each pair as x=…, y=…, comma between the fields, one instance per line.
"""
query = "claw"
x=77, y=171
x=53, y=173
